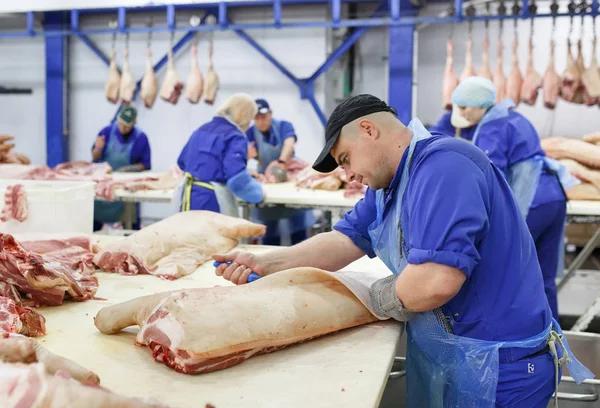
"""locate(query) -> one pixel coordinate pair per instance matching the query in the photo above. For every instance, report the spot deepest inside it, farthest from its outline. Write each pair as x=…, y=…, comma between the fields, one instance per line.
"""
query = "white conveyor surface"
x=581, y=207
x=289, y=194
x=346, y=369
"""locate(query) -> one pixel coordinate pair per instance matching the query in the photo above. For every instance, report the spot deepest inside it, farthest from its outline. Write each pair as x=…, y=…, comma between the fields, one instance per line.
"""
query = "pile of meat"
x=582, y=159
x=7, y=155
x=201, y=330
x=177, y=245
x=15, y=204
x=42, y=273
x=34, y=377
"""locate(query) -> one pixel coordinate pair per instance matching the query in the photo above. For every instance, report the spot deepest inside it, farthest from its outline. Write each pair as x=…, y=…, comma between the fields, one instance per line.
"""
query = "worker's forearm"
x=288, y=149
x=96, y=154
x=330, y=251
x=428, y=286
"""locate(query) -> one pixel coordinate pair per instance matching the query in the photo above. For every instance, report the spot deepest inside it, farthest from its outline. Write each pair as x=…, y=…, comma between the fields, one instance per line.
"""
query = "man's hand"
x=100, y=143
x=242, y=265
x=252, y=152
x=385, y=300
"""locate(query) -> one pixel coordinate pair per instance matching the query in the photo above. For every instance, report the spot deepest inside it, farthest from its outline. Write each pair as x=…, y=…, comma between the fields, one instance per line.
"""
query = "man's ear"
x=367, y=128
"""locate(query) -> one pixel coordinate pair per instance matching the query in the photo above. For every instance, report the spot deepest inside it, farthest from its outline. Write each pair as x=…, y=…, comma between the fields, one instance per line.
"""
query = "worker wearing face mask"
x=125, y=147
x=215, y=161
x=465, y=277
x=274, y=141
x=538, y=183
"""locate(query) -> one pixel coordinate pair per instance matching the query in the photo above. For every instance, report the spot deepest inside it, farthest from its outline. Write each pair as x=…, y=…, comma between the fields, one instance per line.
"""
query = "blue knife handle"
x=253, y=276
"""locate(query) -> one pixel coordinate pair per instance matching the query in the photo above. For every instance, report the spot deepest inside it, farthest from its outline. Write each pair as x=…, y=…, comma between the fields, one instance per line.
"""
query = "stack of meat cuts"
x=34, y=377
x=176, y=246
x=582, y=159
x=201, y=330
x=310, y=178
x=15, y=204
x=7, y=155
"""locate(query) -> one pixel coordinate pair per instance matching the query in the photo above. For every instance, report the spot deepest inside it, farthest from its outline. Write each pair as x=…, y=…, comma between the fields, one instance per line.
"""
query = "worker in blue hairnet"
x=465, y=276
x=274, y=141
x=215, y=161
x=125, y=147
x=513, y=145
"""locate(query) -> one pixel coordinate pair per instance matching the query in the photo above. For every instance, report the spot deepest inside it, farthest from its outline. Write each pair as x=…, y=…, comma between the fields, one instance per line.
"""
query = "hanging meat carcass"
x=570, y=78
x=149, y=86
x=469, y=70
x=533, y=81
x=485, y=71
x=450, y=79
x=212, y=79
x=195, y=81
x=515, y=79
x=172, y=86
x=114, y=79
x=551, y=85
x=127, y=84
x=499, y=77
x=591, y=80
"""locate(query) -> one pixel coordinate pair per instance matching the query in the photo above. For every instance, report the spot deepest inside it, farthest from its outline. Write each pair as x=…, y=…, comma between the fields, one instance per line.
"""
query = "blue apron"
x=524, y=177
x=443, y=369
x=117, y=154
x=299, y=219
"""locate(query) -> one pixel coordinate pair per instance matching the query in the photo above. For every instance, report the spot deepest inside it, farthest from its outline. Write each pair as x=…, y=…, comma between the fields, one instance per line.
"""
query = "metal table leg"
x=580, y=259
x=129, y=215
x=246, y=212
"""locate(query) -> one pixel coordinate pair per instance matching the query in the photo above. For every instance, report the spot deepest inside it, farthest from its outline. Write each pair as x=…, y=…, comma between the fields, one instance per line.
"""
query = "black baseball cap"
x=350, y=109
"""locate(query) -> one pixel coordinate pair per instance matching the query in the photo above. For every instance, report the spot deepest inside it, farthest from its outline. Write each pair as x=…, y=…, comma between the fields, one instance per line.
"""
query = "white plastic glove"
x=386, y=302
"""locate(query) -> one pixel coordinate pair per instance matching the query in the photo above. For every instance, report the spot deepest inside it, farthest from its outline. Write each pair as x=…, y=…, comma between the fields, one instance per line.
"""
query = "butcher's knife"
x=253, y=276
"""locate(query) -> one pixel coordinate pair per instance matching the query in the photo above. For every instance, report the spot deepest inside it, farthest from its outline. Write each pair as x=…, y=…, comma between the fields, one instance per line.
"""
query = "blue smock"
x=269, y=146
x=118, y=152
x=502, y=300
x=217, y=152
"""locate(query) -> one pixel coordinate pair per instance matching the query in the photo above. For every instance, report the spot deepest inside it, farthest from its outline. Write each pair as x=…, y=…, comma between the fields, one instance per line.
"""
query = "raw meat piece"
x=14, y=171
x=586, y=191
x=571, y=78
x=46, y=279
x=450, y=79
x=533, y=81
x=74, y=171
x=149, y=86
x=167, y=181
x=293, y=167
x=592, y=137
x=195, y=81
x=585, y=153
x=15, y=204
x=14, y=158
x=469, y=70
x=20, y=319
x=197, y=331
x=127, y=84
x=43, y=246
x=485, y=71
x=212, y=80
x=499, y=78
x=113, y=83
x=515, y=80
x=354, y=189
x=177, y=245
x=552, y=81
x=591, y=80
x=582, y=172
x=172, y=86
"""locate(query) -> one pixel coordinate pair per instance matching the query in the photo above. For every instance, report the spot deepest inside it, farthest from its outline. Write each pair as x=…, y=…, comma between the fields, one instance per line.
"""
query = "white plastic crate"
x=53, y=207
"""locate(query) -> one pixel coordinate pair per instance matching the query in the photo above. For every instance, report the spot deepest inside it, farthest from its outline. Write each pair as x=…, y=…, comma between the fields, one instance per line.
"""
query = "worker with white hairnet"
x=215, y=161
x=513, y=145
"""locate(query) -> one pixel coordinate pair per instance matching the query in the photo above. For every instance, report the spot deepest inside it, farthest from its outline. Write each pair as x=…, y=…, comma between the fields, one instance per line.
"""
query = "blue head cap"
x=474, y=91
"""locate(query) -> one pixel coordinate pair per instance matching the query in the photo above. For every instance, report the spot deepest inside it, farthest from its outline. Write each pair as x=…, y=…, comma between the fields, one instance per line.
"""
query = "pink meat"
x=15, y=204
x=20, y=319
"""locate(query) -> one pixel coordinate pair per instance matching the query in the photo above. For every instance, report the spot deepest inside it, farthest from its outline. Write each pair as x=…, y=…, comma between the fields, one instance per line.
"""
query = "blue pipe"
x=93, y=47
x=223, y=16
x=122, y=19
x=31, y=23
x=277, y=13
x=75, y=20
x=458, y=14
x=171, y=17
x=395, y=10
x=336, y=12
x=317, y=109
x=594, y=8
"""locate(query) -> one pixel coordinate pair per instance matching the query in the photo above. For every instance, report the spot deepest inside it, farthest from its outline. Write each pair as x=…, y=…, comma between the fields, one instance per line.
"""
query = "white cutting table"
x=345, y=369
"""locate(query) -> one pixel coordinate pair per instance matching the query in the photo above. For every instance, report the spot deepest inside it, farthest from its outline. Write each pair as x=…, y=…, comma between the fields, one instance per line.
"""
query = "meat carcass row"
x=176, y=246
x=450, y=79
x=212, y=80
x=515, y=79
x=585, y=191
x=195, y=81
x=15, y=204
x=582, y=172
x=585, y=153
x=20, y=319
x=201, y=330
x=485, y=71
x=149, y=86
x=127, y=86
x=113, y=83
x=499, y=77
x=571, y=79
x=532, y=82
x=591, y=79
x=172, y=86
x=469, y=69
x=551, y=85
x=592, y=137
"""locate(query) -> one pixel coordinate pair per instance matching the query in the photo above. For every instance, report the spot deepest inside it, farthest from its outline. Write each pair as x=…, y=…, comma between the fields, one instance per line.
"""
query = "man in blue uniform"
x=125, y=147
x=274, y=141
x=443, y=219
x=513, y=145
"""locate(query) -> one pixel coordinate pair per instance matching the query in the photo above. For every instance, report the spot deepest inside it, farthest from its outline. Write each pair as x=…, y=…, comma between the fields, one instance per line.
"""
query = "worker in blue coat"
x=215, y=161
x=274, y=141
x=125, y=147
x=465, y=276
x=513, y=145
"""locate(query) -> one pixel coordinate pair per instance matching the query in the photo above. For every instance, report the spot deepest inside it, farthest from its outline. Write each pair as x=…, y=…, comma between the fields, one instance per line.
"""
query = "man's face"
x=358, y=152
x=472, y=114
x=124, y=128
x=263, y=121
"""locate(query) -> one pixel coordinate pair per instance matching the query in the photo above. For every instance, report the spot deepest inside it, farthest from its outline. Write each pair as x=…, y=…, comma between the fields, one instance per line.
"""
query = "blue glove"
x=253, y=276
x=246, y=187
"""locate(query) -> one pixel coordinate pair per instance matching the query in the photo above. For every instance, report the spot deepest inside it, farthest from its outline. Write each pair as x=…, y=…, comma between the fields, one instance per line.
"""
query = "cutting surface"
x=345, y=369
x=580, y=207
x=288, y=193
